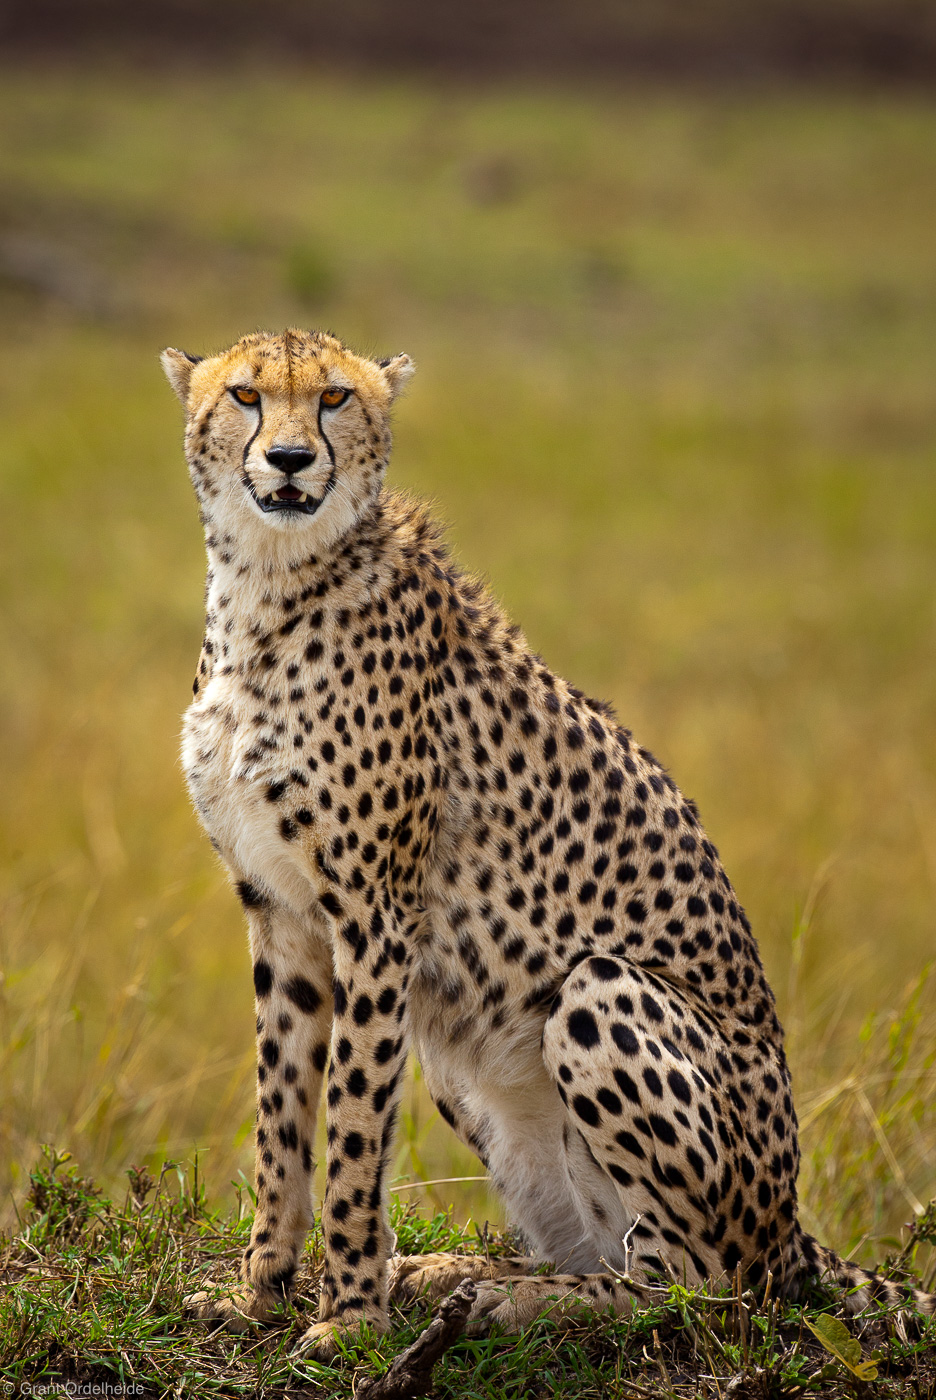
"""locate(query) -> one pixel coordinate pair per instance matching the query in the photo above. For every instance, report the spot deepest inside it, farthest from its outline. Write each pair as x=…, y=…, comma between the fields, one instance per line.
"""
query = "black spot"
x=302, y=994
x=609, y=1101
x=663, y=1130
x=583, y=1028
x=629, y=1143
x=263, y=978
x=604, y=969
x=586, y=1110
x=652, y=1081
x=652, y=1009
x=679, y=1086
x=627, y=1086
x=696, y=1163
x=353, y=1145
x=250, y=896
x=357, y=1083
x=289, y=1137
x=625, y=1039
x=363, y=1010
x=386, y=1001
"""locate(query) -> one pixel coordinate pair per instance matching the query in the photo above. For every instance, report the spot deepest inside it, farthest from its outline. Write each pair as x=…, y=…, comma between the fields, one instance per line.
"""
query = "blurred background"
x=669, y=275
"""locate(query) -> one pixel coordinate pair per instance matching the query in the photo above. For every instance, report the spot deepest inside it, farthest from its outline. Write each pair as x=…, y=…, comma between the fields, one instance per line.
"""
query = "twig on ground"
x=410, y=1375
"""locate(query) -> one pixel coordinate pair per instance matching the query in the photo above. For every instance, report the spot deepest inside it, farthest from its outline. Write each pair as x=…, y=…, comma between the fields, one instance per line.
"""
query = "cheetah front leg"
x=292, y=972
x=369, y=1045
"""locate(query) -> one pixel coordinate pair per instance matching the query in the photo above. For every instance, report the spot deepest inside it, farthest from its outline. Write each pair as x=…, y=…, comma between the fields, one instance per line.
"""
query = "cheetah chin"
x=441, y=844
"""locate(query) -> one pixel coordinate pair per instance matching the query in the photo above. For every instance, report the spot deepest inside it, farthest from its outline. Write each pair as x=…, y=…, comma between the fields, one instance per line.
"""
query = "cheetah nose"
x=289, y=459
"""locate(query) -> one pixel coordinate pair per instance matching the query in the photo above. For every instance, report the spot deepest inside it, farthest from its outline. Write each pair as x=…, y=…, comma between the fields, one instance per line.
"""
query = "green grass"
x=675, y=396
x=92, y=1291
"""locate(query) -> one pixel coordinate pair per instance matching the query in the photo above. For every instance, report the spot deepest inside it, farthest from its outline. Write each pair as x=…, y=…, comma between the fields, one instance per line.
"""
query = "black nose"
x=289, y=459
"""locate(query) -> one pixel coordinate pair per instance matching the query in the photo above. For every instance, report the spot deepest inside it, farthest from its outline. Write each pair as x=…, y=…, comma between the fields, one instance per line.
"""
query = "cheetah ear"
x=178, y=367
x=397, y=371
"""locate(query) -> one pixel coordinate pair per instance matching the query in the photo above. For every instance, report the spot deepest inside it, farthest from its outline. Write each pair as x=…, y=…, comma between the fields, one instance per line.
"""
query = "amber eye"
x=331, y=398
x=246, y=396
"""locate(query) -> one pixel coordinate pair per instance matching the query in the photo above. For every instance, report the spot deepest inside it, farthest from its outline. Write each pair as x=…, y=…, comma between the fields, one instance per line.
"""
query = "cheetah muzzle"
x=288, y=499
x=439, y=843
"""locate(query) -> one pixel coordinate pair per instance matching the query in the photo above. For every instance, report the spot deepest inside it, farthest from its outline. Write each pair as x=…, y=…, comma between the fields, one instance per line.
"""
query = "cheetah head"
x=287, y=438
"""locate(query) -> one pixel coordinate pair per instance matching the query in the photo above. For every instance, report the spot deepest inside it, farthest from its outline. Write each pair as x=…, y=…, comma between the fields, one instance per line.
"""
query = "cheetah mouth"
x=288, y=498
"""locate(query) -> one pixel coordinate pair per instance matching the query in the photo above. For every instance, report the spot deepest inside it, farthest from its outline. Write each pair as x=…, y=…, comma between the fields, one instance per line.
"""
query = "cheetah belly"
x=507, y=1109
x=229, y=786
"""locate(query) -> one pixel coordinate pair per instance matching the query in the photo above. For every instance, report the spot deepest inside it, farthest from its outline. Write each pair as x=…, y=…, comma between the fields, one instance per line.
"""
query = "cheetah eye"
x=333, y=398
x=246, y=396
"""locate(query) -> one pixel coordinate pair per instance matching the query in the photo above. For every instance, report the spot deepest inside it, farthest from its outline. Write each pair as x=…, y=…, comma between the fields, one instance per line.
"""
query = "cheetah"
x=441, y=844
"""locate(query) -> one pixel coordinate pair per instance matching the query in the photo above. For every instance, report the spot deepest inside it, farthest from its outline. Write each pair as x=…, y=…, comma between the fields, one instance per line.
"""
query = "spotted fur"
x=438, y=842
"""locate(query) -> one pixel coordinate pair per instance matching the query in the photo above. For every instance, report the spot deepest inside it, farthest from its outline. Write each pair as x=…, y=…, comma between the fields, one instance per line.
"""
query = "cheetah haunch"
x=439, y=842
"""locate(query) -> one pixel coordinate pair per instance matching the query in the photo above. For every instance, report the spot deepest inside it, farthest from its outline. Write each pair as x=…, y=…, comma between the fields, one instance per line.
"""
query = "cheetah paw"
x=514, y=1304
x=235, y=1310
x=434, y=1276
x=324, y=1341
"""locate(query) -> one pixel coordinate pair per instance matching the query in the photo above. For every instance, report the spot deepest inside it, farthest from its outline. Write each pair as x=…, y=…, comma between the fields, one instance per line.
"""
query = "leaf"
x=836, y=1338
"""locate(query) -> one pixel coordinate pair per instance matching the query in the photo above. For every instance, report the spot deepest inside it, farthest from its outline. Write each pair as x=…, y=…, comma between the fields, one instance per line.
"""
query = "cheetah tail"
x=809, y=1259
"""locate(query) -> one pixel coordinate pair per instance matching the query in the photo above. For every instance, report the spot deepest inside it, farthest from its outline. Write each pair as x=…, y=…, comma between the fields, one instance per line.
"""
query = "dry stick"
x=410, y=1375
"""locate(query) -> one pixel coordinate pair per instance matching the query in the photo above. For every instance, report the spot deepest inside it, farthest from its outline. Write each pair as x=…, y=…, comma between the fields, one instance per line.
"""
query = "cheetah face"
x=287, y=438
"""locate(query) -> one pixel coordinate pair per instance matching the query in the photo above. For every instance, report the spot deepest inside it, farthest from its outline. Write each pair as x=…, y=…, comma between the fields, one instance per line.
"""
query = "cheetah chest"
x=231, y=765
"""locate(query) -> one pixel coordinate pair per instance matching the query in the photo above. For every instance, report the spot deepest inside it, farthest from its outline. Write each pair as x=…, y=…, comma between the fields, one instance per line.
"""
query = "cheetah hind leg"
x=509, y=1294
x=433, y=1276
x=514, y=1303
x=656, y=1089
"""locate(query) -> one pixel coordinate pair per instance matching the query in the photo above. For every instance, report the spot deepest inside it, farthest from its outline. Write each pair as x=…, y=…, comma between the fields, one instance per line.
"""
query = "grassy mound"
x=92, y=1293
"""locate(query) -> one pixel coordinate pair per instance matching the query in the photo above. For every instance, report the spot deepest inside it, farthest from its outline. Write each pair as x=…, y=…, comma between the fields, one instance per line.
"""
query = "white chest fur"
x=230, y=762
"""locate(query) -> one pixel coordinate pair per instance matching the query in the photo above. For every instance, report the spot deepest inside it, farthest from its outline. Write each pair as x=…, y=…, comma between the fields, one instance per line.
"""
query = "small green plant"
x=61, y=1203
x=839, y=1342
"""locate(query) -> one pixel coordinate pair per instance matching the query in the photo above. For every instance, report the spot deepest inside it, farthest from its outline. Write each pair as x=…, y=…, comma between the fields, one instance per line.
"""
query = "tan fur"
x=439, y=842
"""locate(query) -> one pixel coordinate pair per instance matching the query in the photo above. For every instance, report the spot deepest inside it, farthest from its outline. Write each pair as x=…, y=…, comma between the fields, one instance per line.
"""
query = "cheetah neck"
x=250, y=600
